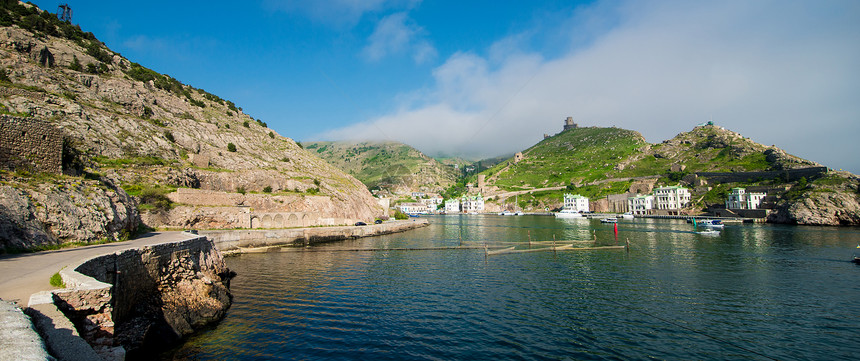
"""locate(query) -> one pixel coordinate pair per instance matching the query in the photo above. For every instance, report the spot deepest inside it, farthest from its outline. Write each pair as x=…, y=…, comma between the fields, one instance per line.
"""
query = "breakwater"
x=237, y=241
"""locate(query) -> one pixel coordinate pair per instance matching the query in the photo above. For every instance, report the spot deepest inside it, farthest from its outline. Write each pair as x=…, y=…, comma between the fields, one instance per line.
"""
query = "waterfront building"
x=672, y=197
x=471, y=204
x=576, y=202
x=640, y=204
x=432, y=202
x=413, y=208
x=740, y=199
x=452, y=206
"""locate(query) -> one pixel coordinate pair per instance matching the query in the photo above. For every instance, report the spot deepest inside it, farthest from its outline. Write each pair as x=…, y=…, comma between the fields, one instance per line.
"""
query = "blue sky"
x=483, y=78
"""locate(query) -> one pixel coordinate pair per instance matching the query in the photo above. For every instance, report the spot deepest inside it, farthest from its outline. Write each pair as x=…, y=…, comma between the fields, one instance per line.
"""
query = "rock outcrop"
x=47, y=213
x=144, y=300
x=831, y=201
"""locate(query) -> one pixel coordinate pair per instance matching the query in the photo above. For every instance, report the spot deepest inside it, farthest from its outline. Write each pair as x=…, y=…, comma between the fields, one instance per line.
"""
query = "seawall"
x=235, y=241
x=141, y=300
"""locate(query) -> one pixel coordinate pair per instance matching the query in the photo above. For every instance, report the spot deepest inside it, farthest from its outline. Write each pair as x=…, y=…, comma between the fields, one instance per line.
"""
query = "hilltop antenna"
x=64, y=13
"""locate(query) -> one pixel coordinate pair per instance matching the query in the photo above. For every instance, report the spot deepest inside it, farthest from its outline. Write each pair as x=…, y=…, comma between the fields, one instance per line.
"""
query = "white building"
x=452, y=206
x=576, y=202
x=740, y=199
x=413, y=208
x=471, y=204
x=673, y=197
x=418, y=194
x=432, y=202
x=640, y=204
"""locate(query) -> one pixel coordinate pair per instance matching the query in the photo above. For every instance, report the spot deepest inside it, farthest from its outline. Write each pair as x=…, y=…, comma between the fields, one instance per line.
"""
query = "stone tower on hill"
x=569, y=124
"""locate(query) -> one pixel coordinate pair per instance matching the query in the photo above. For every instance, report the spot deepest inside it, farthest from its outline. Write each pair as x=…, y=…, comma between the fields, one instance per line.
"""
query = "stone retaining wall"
x=789, y=175
x=30, y=143
x=145, y=299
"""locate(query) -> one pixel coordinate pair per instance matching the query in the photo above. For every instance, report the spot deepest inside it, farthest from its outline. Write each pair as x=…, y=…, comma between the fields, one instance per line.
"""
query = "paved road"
x=24, y=274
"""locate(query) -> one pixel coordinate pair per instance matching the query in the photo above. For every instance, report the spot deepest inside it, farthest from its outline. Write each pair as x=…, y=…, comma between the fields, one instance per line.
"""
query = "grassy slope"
x=379, y=164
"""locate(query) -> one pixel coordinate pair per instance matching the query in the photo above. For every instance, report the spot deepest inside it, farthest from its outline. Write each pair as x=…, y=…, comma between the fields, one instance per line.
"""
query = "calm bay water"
x=753, y=292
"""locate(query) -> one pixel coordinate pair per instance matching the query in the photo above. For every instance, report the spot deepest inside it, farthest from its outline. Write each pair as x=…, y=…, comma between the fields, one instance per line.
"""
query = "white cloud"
x=780, y=72
x=397, y=34
x=337, y=12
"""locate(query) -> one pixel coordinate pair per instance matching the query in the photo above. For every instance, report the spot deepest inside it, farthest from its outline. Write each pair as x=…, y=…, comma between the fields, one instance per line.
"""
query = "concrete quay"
x=243, y=240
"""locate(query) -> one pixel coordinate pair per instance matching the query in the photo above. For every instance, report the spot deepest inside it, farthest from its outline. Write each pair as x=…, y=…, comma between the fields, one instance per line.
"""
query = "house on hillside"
x=671, y=198
x=576, y=202
x=640, y=204
x=741, y=199
x=432, y=203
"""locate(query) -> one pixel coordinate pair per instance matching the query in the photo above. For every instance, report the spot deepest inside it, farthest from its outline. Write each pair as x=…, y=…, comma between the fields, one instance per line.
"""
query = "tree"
x=231, y=147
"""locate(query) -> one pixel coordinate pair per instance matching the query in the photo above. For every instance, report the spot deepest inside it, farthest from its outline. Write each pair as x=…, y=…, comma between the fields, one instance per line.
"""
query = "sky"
x=486, y=78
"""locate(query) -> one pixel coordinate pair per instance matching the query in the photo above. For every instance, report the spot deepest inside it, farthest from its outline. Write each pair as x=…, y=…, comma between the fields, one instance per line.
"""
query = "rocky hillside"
x=599, y=162
x=132, y=130
x=390, y=168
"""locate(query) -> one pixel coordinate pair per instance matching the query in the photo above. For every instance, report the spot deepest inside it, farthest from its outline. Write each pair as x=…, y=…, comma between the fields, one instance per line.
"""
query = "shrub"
x=76, y=65
x=92, y=68
x=268, y=189
x=400, y=215
x=240, y=190
x=231, y=147
x=246, y=124
x=154, y=197
x=169, y=136
x=271, y=135
x=57, y=281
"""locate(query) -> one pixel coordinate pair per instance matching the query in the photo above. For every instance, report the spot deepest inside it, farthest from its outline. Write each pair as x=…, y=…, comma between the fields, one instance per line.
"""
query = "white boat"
x=507, y=213
x=711, y=223
x=609, y=220
x=568, y=213
x=628, y=215
x=519, y=213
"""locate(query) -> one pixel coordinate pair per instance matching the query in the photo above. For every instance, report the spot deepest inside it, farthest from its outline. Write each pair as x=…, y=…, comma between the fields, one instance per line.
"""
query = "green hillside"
x=389, y=167
x=572, y=156
x=597, y=162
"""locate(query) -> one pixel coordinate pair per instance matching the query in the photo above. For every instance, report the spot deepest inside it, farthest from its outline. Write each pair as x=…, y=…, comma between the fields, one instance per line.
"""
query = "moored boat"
x=711, y=223
x=627, y=215
x=609, y=220
x=568, y=213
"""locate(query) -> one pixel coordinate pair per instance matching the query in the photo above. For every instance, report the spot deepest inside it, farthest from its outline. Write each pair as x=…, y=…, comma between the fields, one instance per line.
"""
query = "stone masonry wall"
x=737, y=177
x=152, y=296
x=30, y=143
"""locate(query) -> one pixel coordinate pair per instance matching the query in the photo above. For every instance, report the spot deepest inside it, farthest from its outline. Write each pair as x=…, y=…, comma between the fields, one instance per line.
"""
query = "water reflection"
x=754, y=287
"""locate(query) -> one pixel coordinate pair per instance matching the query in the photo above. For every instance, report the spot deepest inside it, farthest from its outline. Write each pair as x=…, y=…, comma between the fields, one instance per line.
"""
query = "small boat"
x=507, y=213
x=568, y=213
x=709, y=232
x=711, y=223
x=856, y=260
x=519, y=213
x=627, y=215
x=609, y=220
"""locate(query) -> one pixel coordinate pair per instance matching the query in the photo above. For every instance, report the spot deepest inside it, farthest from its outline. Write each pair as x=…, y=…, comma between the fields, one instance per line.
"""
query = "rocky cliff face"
x=830, y=201
x=43, y=213
x=139, y=129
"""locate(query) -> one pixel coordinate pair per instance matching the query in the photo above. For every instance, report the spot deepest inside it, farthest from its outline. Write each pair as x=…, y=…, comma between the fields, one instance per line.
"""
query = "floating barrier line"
x=567, y=247
x=315, y=249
